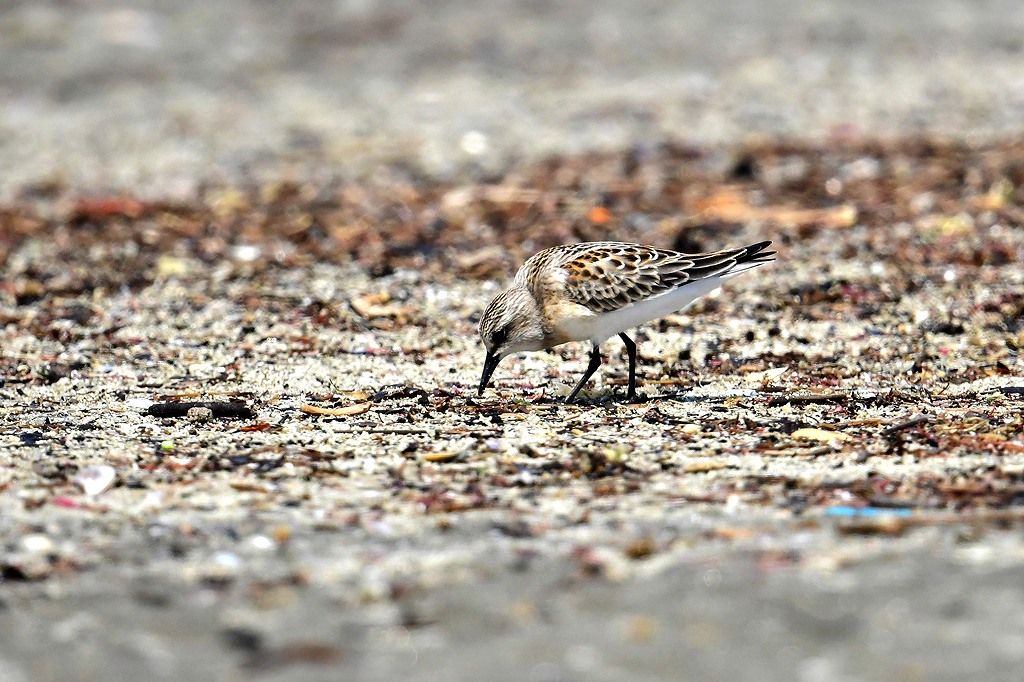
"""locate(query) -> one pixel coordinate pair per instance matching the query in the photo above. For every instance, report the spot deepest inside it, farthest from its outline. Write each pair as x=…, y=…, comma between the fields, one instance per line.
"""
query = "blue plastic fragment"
x=867, y=511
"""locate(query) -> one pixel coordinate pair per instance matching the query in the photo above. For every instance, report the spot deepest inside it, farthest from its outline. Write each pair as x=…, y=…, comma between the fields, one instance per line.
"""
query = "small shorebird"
x=593, y=290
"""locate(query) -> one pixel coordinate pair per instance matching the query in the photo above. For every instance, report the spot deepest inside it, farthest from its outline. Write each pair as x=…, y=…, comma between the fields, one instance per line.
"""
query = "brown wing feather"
x=606, y=276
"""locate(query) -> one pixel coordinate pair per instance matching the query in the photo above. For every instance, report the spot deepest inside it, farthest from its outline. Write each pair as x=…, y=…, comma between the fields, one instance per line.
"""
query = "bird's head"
x=511, y=323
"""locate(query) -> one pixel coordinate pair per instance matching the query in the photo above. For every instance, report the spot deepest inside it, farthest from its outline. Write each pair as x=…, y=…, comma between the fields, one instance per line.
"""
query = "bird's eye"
x=499, y=336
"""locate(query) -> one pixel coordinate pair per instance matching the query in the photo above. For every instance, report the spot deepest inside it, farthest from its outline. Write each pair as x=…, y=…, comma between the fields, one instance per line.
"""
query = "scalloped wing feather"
x=608, y=276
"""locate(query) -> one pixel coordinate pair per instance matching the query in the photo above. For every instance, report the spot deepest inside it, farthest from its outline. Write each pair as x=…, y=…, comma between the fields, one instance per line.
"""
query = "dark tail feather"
x=731, y=261
x=751, y=257
x=755, y=253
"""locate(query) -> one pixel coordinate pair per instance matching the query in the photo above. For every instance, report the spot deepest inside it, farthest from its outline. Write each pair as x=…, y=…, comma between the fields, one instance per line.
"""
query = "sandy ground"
x=854, y=517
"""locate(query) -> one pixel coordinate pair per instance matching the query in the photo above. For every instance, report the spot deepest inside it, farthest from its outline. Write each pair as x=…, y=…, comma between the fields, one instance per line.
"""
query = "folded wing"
x=608, y=276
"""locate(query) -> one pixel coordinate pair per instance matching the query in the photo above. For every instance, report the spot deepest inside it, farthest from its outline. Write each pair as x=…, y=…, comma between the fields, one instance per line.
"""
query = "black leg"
x=631, y=353
x=595, y=362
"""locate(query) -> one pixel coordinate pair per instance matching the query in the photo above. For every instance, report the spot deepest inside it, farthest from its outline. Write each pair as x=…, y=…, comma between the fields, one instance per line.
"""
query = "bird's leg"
x=631, y=354
x=595, y=362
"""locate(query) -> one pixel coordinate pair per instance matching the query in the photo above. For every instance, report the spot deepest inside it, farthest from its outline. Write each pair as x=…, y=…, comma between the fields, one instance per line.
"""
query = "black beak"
x=490, y=362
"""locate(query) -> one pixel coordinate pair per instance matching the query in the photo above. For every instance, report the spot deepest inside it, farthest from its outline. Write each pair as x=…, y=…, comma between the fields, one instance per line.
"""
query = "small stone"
x=171, y=266
x=261, y=543
x=95, y=479
x=474, y=143
x=766, y=376
x=819, y=435
x=226, y=560
x=641, y=548
x=37, y=543
x=246, y=253
x=444, y=456
x=222, y=568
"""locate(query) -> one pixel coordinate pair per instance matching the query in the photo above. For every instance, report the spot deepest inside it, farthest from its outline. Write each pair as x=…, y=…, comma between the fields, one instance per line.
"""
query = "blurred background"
x=159, y=96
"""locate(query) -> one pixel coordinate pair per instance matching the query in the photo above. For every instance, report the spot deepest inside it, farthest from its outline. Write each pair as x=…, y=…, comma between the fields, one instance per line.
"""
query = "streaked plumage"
x=593, y=290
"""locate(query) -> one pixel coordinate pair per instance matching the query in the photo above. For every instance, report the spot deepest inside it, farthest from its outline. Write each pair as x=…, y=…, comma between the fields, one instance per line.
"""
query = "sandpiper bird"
x=593, y=290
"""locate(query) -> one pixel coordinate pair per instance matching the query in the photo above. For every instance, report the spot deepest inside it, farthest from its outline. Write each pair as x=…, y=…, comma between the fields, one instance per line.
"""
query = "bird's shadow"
x=683, y=396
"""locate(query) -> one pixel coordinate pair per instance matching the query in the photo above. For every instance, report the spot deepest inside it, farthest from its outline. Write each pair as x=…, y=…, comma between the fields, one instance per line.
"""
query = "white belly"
x=599, y=326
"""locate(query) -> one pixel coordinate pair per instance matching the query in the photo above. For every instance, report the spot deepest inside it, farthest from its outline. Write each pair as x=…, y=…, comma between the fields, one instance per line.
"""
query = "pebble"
x=95, y=479
x=37, y=543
